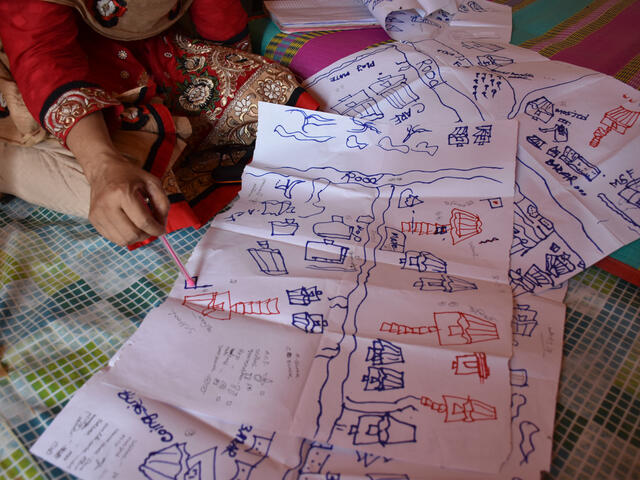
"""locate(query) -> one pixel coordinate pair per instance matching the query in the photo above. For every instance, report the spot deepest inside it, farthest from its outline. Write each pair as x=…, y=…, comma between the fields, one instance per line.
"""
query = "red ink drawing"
x=399, y=329
x=458, y=328
x=472, y=364
x=618, y=119
x=461, y=409
x=218, y=305
x=462, y=225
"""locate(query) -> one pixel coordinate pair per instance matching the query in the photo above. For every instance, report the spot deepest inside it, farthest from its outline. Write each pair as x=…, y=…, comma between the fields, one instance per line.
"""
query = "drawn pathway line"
x=338, y=366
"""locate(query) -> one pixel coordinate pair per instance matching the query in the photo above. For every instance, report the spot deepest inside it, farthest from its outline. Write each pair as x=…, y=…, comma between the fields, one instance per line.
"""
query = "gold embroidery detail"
x=72, y=106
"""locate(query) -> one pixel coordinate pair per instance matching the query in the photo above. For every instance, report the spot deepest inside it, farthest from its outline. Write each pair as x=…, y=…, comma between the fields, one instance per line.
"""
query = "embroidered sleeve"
x=69, y=103
x=48, y=63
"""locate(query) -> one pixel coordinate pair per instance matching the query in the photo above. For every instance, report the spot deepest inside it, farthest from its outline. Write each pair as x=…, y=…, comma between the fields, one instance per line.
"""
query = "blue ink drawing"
x=325, y=252
x=440, y=282
x=313, y=457
x=381, y=379
x=541, y=109
x=195, y=281
x=408, y=199
x=579, y=164
x=482, y=46
x=518, y=377
x=176, y=463
x=368, y=459
x=359, y=104
x=394, y=240
x=276, y=207
x=288, y=227
x=493, y=61
x=423, y=262
x=312, y=125
x=459, y=137
x=424, y=147
x=309, y=322
x=524, y=320
x=304, y=296
x=352, y=142
x=286, y=186
x=377, y=423
x=560, y=133
x=385, y=143
x=612, y=206
x=269, y=260
x=482, y=135
x=527, y=431
x=495, y=202
x=334, y=229
x=518, y=401
x=383, y=352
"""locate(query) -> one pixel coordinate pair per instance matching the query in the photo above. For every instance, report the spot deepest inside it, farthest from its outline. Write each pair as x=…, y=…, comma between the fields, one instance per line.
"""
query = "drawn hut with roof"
x=618, y=120
x=358, y=104
x=540, y=109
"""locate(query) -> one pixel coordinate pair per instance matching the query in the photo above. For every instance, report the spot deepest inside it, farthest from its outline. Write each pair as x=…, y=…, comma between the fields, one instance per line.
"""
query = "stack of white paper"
x=309, y=15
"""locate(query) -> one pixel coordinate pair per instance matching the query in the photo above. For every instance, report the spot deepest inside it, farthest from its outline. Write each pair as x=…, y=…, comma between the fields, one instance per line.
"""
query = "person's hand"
x=127, y=203
x=119, y=195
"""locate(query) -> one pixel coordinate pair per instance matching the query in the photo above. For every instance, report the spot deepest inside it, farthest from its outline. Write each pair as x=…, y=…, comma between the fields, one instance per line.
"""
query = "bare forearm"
x=117, y=208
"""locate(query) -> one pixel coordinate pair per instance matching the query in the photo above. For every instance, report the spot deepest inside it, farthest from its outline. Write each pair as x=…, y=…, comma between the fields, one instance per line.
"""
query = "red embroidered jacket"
x=65, y=70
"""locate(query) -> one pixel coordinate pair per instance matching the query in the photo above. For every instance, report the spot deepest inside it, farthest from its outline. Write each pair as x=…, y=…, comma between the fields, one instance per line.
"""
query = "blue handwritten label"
x=149, y=419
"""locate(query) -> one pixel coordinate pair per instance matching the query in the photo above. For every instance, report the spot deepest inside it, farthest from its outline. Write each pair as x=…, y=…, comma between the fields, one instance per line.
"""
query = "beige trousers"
x=46, y=174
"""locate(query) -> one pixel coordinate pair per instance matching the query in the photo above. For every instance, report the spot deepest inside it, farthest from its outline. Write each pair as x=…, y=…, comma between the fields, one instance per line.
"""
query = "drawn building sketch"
x=472, y=364
x=459, y=328
x=325, y=252
x=461, y=409
x=394, y=240
x=579, y=164
x=382, y=379
x=377, y=423
x=540, y=109
x=218, y=305
x=631, y=192
x=462, y=226
x=335, y=229
x=288, y=227
x=269, y=260
x=423, y=262
x=401, y=329
x=303, y=295
x=309, y=322
x=617, y=120
x=383, y=352
x=440, y=282
x=524, y=320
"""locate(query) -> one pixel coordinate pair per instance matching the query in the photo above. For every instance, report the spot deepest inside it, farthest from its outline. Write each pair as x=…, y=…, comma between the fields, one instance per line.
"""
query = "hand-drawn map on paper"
x=356, y=294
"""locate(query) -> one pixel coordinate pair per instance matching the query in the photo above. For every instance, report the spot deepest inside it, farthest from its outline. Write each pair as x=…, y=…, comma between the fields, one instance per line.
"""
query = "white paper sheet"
x=577, y=177
x=309, y=15
x=357, y=255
